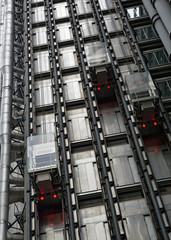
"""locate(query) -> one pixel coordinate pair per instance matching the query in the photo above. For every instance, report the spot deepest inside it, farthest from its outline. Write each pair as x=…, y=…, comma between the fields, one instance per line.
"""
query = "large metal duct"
x=16, y=194
x=159, y=26
x=18, y=181
x=164, y=10
x=15, y=237
x=6, y=113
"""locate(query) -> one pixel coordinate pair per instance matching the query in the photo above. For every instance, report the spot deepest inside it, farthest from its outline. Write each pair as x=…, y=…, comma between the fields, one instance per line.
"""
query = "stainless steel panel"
x=45, y=123
x=68, y=57
x=83, y=6
x=36, y=1
x=41, y=62
x=39, y=36
x=112, y=23
x=134, y=207
x=86, y=175
x=112, y=120
x=160, y=161
x=60, y=10
x=150, y=227
x=43, y=91
x=99, y=231
x=79, y=128
x=64, y=32
x=108, y=4
x=123, y=172
x=137, y=228
x=38, y=14
x=122, y=149
x=58, y=234
x=167, y=203
x=82, y=155
x=73, y=87
x=92, y=214
x=121, y=47
x=88, y=27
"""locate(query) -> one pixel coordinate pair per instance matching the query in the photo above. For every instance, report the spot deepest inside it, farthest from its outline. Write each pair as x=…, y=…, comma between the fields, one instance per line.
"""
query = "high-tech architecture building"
x=85, y=109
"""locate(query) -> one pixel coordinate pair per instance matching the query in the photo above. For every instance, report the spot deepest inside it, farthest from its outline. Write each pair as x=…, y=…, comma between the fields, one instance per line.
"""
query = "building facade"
x=85, y=119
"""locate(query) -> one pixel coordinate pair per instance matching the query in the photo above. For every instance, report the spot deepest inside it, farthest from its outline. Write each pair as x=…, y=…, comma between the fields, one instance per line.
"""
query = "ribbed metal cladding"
x=6, y=111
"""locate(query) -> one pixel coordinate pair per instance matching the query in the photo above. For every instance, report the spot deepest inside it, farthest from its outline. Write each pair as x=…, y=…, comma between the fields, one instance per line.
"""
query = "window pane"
x=136, y=12
x=150, y=33
x=165, y=89
x=161, y=57
x=157, y=58
x=145, y=33
x=151, y=60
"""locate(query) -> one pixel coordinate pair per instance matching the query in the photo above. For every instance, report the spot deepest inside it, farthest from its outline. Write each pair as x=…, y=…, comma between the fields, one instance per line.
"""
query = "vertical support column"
x=30, y=126
x=6, y=113
x=69, y=193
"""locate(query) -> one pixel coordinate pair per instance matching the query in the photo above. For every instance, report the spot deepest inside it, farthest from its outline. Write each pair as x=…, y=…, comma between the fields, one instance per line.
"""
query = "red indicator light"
x=143, y=125
x=51, y=224
x=155, y=124
x=155, y=150
x=42, y=198
x=108, y=86
x=139, y=82
x=130, y=84
x=111, y=113
x=54, y=195
x=98, y=88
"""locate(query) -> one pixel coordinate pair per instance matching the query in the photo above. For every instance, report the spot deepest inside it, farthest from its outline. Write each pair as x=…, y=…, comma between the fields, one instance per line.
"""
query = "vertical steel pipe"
x=6, y=113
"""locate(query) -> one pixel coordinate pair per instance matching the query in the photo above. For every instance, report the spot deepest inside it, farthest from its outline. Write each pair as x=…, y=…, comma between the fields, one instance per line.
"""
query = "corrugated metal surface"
x=41, y=62
x=124, y=171
x=83, y=6
x=121, y=47
x=86, y=175
x=60, y=10
x=112, y=23
x=73, y=87
x=43, y=90
x=45, y=123
x=63, y=32
x=39, y=36
x=106, y=4
x=112, y=120
x=68, y=57
x=38, y=14
x=88, y=27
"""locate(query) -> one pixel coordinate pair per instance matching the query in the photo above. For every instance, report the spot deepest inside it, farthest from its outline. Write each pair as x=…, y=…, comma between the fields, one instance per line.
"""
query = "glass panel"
x=140, y=85
x=165, y=88
x=145, y=33
x=42, y=152
x=157, y=58
x=161, y=57
x=96, y=54
x=136, y=12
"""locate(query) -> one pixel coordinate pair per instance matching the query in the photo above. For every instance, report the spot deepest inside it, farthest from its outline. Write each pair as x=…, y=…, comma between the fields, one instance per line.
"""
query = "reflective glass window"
x=165, y=88
x=145, y=33
x=136, y=12
x=157, y=58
